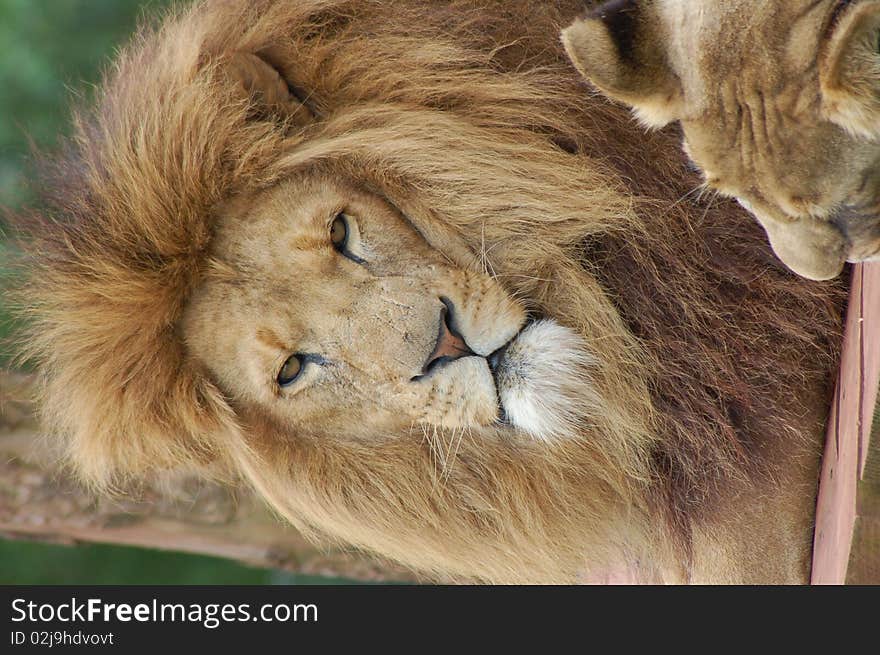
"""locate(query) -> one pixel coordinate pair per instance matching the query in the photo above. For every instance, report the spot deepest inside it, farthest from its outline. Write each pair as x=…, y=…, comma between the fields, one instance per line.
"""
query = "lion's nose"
x=450, y=345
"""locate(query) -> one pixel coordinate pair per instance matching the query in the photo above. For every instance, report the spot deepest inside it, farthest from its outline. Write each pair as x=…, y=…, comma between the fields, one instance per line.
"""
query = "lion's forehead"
x=727, y=56
x=289, y=216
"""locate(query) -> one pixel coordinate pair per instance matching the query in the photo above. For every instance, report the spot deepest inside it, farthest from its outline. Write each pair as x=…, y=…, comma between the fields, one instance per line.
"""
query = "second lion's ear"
x=268, y=90
x=849, y=69
x=618, y=47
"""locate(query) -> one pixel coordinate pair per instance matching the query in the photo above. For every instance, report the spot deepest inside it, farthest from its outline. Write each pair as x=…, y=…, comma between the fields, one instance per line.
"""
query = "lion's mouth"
x=532, y=374
x=860, y=226
x=869, y=252
x=496, y=361
x=497, y=365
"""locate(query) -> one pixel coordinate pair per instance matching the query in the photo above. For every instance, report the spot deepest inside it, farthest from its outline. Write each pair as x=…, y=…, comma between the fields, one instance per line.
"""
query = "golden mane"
x=468, y=118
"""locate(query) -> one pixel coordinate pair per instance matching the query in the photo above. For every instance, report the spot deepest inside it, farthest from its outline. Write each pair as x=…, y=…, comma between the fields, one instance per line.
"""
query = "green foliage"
x=36, y=563
x=50, y=51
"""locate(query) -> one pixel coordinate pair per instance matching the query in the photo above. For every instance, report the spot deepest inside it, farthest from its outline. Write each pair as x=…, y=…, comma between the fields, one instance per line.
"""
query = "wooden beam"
x=846, y=545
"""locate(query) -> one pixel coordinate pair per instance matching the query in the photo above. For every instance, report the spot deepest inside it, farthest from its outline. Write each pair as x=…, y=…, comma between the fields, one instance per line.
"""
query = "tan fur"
x=185, y=254
x=778, y=104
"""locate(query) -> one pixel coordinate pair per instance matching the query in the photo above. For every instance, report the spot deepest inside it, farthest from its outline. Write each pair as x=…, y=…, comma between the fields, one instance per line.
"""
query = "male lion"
x=779, y=103
x=385, y=263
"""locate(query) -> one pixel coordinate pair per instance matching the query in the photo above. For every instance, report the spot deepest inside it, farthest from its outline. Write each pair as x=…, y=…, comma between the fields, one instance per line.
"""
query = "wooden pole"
x=846, y=546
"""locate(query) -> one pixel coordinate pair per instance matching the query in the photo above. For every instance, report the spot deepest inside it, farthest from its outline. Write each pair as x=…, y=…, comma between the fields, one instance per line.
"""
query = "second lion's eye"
x=339, y=232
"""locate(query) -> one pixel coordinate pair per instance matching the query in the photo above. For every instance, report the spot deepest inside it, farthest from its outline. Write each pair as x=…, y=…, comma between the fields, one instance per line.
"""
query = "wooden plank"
x=846, y=545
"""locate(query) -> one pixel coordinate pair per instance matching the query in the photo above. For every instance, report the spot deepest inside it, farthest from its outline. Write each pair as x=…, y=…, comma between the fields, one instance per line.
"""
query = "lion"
x=388, y=266
x=777, y=102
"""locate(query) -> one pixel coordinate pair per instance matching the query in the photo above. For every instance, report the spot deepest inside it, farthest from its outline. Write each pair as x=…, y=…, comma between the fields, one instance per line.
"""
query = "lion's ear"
x=267, y=89
x=850, y=71
x=618, y=47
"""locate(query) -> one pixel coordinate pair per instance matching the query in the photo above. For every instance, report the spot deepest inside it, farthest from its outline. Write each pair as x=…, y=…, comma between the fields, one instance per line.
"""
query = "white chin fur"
x=543, y=380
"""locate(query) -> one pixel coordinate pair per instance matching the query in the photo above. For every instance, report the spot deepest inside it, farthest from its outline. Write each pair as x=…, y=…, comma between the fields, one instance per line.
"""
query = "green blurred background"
x=50, y=52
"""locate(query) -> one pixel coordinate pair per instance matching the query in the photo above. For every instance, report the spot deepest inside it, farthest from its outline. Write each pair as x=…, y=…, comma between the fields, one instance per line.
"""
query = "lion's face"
x=813, y=186
x=326, y=308
x=777, y=102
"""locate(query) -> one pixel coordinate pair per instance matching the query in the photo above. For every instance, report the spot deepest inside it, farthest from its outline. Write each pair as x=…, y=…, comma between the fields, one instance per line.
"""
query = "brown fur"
x=697, y=460
x=778, y=105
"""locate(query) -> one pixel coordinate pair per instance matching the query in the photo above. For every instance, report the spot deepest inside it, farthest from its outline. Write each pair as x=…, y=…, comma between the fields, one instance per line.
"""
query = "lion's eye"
x=290, y=371
x=339, y=232
x=344, y=230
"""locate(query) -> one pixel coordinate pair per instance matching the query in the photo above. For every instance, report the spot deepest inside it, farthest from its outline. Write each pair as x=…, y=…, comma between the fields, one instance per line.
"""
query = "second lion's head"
x=777, y=102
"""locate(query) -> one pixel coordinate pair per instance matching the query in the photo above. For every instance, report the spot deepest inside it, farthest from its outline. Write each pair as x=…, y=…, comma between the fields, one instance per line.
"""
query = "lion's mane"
x=468, y=117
